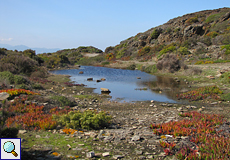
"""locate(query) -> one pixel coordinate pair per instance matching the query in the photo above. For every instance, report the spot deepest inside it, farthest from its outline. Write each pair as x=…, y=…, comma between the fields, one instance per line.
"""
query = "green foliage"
x=62, y=101
x=8, y=76
x=214, y=17
x=89, y=119
x=18, y=64
x=23, y=86
x=177, y=29
x=227, y=47
x=225, y=77
x=226, y=97
x=192, y=20
x=19, y=79
x=105, y=63
x=202, y=93
x=131, y=67
x=183, y=50
x=212, y=34
x=110, y=56
x=151, y=69
x=155, y=34
x=36, y=86
x=226, y=39
x=9, y=133
x=121, y=53
x=167, y=49
x=144, y=51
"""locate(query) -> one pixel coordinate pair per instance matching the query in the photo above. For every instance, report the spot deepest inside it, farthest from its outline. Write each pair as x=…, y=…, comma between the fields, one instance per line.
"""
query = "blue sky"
x=98, y=23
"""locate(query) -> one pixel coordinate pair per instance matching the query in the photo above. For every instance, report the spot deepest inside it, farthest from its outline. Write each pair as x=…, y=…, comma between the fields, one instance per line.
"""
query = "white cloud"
x=6, y=39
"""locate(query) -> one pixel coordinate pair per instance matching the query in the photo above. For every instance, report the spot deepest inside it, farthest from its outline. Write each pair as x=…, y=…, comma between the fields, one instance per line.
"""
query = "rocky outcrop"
x=191, y=31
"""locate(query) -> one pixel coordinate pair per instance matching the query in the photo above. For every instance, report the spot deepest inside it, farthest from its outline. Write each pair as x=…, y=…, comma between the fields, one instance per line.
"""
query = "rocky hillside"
x=196, y=36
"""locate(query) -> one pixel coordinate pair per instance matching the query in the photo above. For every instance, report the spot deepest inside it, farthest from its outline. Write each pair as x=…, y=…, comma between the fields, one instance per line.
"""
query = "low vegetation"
x=89, y=119
x=202, y=93
x=202, y=131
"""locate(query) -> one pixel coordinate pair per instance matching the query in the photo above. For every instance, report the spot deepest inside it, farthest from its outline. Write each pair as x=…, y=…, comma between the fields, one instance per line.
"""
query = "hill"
x=23, y=47
x=197, y=36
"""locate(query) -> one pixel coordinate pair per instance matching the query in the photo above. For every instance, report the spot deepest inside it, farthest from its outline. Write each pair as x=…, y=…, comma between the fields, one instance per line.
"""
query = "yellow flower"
x=163, y=137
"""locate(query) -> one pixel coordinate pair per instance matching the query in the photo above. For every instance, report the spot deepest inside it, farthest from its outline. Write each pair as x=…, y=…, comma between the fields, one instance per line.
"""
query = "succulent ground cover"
x=16, y=92
x=202, y=93
x=31, y=116
x=202, y=130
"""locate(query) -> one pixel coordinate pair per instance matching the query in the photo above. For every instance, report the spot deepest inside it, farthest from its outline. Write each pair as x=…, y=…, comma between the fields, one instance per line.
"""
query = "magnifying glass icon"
x=9, y=147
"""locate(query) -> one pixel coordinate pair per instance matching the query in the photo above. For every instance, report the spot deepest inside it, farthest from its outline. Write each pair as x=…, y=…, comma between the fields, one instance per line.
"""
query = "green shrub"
x=183, y=50
x=192, y=20
x=62, y=101
x=7, y=76
x=36, y=86
x=144, y=51
x=89, y=119
x=18, y=64
x=105, y=63
x=225, y=97
x=131, y=67
x=19, y=79
x=227, y=47
x=169, y=48
x=155, y=34
x=121, y=53
x=214, y=17
x=23, y=86
x=225, y=78
x=151, y=69
x=9, y=133
x=212, y=34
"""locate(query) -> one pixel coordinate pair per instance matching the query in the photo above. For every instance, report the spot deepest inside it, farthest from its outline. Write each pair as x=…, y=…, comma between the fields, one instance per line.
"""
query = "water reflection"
x=124, y=84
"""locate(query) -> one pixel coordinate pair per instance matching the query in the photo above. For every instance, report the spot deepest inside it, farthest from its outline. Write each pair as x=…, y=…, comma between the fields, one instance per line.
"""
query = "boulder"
x=81, y=72
x=98, y=80
x=89, y=79
x=4, y=96
x=103, y=79
x=105, y=90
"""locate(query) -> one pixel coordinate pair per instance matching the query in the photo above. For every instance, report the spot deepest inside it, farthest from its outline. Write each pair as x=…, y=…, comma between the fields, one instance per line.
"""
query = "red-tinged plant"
x=15, y=92
x=110, y=56
x=201, y=93
x=40, y=80
x=168, y=152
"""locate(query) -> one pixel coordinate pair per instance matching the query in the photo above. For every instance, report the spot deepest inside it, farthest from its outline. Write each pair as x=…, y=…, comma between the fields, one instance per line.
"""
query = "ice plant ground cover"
x=202, y=93
x=202, y=130
x=16, y=92
x=31, y=116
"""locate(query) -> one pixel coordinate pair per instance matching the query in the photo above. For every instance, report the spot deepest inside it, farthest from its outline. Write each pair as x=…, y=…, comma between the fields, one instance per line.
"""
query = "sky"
x=99, y=23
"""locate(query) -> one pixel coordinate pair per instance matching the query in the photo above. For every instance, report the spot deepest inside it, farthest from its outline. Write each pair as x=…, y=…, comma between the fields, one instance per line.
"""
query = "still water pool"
x=124, y=85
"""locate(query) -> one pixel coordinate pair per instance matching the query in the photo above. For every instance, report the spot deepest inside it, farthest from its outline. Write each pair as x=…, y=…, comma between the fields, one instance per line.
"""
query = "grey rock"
x=136, y=138
x=22, y=131
x=106, y=154
x=139, y=152
x=118, y=156
x=142, y=157
x=90, y=154
x=4, y=96
x=37, y=136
